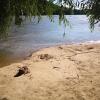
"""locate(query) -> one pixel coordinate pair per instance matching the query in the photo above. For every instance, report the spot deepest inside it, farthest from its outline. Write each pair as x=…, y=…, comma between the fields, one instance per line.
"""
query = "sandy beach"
x=66, y=72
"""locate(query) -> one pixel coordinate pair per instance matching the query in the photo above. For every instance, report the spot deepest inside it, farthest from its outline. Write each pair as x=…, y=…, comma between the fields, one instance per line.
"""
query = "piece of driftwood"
x=60, y=47
x=45, y=56
x=22, y=71
x=90, y=48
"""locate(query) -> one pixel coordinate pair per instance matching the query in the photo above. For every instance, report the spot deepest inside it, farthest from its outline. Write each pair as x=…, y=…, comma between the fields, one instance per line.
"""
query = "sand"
x=66, y=72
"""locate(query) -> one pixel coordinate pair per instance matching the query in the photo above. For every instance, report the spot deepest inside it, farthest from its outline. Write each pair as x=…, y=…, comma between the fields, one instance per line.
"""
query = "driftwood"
x=90, y=48
x=45, y=56
x=22, y=71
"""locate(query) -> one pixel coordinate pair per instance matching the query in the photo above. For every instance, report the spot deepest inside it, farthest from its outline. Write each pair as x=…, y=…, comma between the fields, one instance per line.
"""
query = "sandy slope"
x=57, y=73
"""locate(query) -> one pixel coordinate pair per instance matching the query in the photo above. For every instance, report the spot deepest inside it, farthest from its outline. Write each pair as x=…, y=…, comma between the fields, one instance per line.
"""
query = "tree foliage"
x=91, y=8
x=17, y=8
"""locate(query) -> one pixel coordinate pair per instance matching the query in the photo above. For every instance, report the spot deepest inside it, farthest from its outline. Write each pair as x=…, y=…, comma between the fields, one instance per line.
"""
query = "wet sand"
x=66, y=72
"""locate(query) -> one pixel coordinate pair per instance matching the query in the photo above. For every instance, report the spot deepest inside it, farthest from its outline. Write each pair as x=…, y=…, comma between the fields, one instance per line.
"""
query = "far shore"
x=63, y=72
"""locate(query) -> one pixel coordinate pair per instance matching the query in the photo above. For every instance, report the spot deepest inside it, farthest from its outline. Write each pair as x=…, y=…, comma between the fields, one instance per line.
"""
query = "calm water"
x=32, y=36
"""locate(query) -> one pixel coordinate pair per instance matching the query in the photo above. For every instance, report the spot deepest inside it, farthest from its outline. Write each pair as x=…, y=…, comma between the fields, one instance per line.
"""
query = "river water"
x=31, y=36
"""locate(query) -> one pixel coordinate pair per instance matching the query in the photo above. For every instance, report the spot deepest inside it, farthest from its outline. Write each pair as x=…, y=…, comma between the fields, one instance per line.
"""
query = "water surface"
x=32, y=36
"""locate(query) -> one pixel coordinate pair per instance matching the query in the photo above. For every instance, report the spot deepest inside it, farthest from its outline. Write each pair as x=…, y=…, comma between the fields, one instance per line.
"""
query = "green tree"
x=92, y=8
x=17, y=8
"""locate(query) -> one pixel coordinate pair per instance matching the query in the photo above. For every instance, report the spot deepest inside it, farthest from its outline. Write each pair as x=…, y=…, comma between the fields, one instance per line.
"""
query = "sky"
x=66, y=6
x=74, y=0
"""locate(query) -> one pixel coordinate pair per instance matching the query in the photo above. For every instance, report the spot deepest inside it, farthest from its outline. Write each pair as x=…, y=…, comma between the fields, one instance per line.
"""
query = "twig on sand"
x=22, y=70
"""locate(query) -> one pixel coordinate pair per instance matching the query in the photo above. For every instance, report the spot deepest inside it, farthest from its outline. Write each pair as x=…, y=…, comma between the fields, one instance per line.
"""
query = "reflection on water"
x=5, y=57
x=31, y=36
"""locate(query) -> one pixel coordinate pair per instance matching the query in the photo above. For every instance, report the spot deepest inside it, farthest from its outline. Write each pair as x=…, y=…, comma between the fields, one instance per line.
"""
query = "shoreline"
x=57, y=45
x=13, y=59
x=64, y=72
